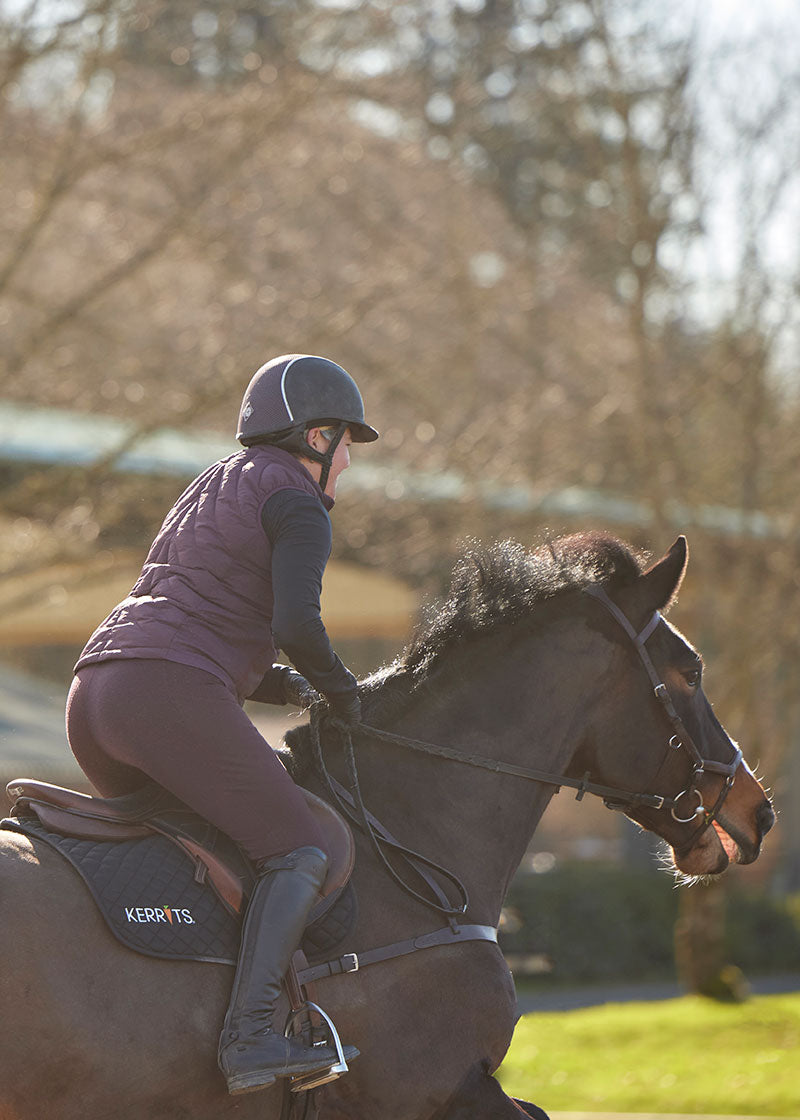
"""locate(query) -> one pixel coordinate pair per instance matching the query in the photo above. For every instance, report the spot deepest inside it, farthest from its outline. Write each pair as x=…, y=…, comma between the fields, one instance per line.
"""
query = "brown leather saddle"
x=149, y=810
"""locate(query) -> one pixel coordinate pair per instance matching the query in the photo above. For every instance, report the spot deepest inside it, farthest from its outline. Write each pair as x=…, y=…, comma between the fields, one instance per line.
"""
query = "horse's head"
x=658, y=735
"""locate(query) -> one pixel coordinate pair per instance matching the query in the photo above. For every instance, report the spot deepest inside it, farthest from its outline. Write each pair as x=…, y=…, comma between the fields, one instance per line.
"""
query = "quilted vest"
x=204, y=597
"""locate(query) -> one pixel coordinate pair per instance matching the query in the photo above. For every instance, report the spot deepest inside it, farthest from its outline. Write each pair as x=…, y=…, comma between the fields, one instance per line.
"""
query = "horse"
x=540, y=669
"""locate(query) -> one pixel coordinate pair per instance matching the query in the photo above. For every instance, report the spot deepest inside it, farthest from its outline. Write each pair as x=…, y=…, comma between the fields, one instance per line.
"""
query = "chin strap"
x=325, y=457
x=294, y=440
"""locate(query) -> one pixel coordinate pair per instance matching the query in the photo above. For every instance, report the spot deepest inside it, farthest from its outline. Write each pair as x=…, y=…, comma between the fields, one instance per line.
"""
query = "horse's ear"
x=658, y=586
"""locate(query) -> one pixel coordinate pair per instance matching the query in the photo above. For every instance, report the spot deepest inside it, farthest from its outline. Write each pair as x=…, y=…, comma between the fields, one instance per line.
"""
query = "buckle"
x=350, y=962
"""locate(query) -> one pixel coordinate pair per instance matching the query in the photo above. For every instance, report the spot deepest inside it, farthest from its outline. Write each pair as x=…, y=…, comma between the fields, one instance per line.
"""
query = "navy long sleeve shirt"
x=299, y=530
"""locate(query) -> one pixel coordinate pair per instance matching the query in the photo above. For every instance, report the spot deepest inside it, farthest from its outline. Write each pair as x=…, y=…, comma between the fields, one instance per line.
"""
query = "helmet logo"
x=247, y=412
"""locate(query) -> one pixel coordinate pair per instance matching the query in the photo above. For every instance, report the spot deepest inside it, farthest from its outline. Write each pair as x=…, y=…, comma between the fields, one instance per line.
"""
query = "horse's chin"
x=709, y=856
x=716, y=847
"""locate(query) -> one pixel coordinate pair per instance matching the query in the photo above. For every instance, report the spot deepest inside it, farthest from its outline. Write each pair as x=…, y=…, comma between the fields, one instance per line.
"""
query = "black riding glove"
x=297, y=690
x=345, y=709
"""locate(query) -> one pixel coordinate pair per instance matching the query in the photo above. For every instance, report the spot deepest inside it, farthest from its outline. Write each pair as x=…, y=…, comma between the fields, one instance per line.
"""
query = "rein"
x=353, y=807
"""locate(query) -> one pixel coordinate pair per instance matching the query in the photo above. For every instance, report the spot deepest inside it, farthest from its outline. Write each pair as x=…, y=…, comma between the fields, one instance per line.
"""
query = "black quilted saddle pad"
x=147, y=892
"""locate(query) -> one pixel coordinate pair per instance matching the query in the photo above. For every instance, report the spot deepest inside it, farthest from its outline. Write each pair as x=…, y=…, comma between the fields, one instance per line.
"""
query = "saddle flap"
x=226, y=883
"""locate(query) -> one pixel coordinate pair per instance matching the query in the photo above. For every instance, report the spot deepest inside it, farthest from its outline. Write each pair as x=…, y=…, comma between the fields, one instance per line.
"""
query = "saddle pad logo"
x=144, y=914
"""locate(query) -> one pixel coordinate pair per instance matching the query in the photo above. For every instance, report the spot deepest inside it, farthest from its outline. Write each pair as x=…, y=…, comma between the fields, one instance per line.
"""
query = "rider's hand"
x=346, y=710
x=297, y=690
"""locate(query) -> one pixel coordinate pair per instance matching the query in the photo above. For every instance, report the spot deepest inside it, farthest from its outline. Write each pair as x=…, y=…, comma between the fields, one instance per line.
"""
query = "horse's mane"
x=502, y=584
x=491, y=587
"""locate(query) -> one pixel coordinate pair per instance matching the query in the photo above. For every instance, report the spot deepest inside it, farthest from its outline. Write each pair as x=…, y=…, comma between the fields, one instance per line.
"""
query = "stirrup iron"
x=302, y=1082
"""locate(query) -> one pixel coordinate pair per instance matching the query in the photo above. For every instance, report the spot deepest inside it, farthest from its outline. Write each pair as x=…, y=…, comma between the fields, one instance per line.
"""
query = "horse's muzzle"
x=748, y=847
x=765, y=819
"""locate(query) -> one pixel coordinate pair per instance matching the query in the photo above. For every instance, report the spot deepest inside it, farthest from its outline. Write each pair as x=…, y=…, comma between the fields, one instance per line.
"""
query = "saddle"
x=152, y=809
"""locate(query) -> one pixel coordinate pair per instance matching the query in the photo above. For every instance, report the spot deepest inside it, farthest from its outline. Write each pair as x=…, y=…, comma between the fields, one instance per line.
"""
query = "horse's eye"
x=693, y=677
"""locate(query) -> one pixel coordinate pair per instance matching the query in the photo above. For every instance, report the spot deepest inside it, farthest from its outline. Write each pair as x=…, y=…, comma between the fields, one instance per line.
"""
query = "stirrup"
x=302, y=1082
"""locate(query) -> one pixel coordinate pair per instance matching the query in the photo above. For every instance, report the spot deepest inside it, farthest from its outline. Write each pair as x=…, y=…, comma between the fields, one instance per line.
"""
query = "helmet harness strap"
x=325, y=457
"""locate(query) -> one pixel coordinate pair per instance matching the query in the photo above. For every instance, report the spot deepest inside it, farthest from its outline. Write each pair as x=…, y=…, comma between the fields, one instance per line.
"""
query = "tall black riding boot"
x=251, y=1053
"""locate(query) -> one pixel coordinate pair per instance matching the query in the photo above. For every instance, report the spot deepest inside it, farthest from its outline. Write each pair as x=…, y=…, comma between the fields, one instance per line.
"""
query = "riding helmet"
x=294, y=392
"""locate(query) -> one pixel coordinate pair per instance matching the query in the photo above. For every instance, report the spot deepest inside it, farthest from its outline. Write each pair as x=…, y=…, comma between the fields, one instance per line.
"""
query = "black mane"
x=495, y=586
x=490, y=587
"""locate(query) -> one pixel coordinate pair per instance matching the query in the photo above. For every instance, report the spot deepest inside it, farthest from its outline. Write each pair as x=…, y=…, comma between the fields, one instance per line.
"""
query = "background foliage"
x=630, y=917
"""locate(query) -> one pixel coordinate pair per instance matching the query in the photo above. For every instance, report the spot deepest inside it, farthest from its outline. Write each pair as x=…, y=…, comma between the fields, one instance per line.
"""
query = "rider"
x=234, y=573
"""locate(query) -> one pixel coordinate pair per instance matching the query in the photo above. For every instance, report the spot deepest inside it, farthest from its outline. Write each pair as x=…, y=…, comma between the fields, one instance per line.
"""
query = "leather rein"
x=614, y=798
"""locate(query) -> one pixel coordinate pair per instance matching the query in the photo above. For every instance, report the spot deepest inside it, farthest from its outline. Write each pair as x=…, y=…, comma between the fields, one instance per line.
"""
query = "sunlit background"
x=556, y=243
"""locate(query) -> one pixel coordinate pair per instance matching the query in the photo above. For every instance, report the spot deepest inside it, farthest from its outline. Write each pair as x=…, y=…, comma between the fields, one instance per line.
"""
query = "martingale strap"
x=354, y=962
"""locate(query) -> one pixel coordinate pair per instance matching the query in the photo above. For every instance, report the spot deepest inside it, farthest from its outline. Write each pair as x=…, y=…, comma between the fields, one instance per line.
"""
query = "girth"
x=354, y=962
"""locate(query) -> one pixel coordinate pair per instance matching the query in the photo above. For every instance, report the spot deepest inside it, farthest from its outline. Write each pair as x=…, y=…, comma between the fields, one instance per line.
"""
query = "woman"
x=234, y=574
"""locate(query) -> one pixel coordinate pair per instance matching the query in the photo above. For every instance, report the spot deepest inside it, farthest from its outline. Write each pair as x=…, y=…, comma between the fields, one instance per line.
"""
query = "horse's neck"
x=475, y=822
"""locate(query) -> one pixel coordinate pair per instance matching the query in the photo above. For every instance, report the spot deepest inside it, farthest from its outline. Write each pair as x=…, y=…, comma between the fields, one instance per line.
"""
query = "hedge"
x=588, y=922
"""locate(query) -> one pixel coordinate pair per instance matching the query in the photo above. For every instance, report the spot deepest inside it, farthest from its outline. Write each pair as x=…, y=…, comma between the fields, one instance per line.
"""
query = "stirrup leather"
x=302, y=1082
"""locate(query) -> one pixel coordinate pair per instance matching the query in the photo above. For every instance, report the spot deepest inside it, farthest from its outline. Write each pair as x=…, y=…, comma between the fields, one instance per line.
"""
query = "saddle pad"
x=151, y=901
x=147, y=892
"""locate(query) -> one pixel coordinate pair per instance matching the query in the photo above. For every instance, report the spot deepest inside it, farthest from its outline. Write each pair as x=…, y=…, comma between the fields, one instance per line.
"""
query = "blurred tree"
x=591, y=125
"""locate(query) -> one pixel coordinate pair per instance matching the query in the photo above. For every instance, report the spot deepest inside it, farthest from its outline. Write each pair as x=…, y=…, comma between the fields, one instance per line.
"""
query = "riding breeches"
x=133, y=719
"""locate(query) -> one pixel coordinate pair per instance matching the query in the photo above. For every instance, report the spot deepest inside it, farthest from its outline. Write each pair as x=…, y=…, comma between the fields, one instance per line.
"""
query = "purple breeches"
x=129, y=720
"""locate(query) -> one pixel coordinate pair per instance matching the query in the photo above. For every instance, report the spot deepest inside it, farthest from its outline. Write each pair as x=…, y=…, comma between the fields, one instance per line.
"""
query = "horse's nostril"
x=765, y=817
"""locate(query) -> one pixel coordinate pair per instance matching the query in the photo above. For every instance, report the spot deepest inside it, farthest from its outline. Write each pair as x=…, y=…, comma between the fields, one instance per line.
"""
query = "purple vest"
x=204, y=597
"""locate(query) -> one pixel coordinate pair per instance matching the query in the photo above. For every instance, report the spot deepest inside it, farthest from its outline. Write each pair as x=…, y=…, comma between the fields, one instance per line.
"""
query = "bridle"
x=681, y=737
x=614, y=798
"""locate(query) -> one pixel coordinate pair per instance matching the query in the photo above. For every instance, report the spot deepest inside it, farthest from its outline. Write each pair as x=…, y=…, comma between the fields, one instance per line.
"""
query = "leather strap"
x=380, y=830
x=352, y=806
x=354, y=962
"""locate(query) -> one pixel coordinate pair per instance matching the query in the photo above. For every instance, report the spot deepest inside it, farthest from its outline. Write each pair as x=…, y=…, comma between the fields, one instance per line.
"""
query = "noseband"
x=680, y=739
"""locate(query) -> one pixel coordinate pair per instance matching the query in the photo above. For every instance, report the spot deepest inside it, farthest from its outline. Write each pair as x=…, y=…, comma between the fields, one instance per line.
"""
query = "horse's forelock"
x=585, y=558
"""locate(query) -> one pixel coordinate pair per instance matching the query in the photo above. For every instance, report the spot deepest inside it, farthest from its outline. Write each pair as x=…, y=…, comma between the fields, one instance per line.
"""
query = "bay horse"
x=540, y=669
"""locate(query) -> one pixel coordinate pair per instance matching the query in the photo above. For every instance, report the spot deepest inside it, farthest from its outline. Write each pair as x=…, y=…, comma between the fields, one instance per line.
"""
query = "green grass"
x=687, y=1055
